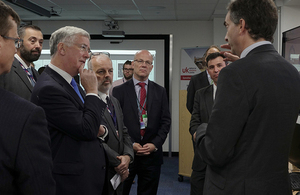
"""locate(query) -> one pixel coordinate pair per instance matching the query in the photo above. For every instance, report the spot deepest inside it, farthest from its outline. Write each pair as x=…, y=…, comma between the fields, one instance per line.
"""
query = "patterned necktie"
x=142, y=104
x=74, y=84
x=31, y=77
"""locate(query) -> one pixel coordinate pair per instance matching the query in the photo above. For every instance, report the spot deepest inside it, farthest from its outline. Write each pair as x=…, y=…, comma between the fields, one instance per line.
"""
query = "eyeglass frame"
x=97, y=54
x=142, y=62
x=18, y=41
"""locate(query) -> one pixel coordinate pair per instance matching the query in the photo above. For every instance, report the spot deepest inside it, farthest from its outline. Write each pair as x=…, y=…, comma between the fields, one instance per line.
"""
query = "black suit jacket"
x=248, y=137
x=25, y=160
x=17, y=81
x=197, y=81
x=78, y=155
x=202, y=110
x=159, y=119
x=117, y=144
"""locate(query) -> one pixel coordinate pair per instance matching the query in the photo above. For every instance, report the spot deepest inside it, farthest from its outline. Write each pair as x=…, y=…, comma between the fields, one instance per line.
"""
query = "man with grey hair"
x=118, y=147
x=22, y=77
x=73, y=117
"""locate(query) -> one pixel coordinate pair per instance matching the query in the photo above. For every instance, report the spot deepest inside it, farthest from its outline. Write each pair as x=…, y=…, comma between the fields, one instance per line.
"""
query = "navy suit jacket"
x=78, y=155
x=197, y=81
x=17, y=82
x=25, y=160
x=117, y=144
x=203, y=104
x=159, y=119
x=248, y=137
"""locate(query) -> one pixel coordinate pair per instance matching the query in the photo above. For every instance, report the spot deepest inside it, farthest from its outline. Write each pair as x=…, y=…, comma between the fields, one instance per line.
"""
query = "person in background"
x=23, y=76
x=147, y=117
x=118, y=146
x=73, y=118
x=247, y=140
x=204, y=99
x=199, y=81
x=26, y=163
x=127, y=72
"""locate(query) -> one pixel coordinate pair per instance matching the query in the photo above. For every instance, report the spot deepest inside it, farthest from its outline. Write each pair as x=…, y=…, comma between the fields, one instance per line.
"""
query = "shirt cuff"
x=94, y=94
x=102, y=137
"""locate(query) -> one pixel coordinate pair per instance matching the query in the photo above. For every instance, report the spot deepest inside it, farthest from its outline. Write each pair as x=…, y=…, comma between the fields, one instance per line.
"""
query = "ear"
x=242, y=25
x=61, y=49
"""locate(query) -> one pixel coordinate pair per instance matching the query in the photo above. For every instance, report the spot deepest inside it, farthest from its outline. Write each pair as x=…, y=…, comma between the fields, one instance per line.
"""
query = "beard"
x=28, y=56
x=128, y=77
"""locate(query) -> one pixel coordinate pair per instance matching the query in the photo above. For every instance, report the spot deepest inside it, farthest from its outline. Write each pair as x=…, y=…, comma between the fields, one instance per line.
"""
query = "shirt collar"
x=103, y=96
x=251, y=47
x=214, y=90
x=135, y=81
x=20, y=60
x=61, y=72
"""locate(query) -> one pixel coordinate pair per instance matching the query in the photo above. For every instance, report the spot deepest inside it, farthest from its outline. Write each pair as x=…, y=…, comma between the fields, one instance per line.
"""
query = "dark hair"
x=213, y=56
x=260, y=16
x=5, y=12
x=23, y=28
x=128, y=62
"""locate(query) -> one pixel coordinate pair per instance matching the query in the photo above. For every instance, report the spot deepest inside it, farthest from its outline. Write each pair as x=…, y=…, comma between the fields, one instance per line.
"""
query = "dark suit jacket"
x=25, y=160
x=78, y=155
x=17, y=81
x=197, y=81
x=202, y=110
x=159, y=119
x=248, y=137
x=116, y=145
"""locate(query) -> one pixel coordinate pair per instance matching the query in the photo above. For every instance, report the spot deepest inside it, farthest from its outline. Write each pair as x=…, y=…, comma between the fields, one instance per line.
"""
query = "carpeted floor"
x=169, y=184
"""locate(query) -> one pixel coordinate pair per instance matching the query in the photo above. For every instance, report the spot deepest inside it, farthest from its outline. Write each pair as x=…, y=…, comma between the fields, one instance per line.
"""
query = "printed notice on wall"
x=191, y=64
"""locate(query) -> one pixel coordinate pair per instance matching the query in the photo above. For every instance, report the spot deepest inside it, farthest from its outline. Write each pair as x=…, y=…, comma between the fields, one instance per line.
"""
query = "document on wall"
x=115, y=181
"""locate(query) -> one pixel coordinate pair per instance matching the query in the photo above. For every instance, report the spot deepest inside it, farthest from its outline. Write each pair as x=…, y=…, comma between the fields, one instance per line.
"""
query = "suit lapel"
x=22, y=74
x=110, y=122
x=209, y=99
x=150, y=97
x=67, y=87
x=130, y=92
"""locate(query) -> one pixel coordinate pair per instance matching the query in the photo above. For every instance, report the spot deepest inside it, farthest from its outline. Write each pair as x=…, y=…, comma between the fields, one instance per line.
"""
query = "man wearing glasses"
x=73, y=117
x=22, y=77
x=26, y=163
x=127, y=72
x=147, y=117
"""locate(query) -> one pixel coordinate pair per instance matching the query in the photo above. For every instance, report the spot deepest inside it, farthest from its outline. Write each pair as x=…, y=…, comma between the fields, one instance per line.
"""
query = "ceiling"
x=133, y=10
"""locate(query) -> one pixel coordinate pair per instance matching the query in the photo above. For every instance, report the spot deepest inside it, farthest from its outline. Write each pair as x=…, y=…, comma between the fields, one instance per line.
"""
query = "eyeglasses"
x=142, y=62
x=18, y=41
x=84, y=48
x=97, y=54
x=127, y=69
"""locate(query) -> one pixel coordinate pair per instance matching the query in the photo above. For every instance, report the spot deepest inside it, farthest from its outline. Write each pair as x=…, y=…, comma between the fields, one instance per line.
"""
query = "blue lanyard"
x=28, y=73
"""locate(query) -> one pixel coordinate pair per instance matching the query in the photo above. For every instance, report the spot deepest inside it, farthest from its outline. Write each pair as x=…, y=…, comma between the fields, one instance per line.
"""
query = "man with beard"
x=127, y=72
x=22, y=77
x=118, y=147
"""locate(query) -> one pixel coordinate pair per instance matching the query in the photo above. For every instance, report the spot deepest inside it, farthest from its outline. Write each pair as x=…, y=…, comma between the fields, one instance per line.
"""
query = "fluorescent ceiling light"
x=113, y=33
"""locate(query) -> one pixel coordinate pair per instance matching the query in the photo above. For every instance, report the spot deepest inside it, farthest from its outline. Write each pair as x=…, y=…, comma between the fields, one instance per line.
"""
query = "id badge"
x=145, y=119
x=142, y=124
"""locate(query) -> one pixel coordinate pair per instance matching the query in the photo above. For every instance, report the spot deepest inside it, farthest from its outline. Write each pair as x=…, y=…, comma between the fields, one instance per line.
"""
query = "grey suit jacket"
x=248, y=137
x=203, y=103
x=17, y=82
x=116, y=145
x=197, y=81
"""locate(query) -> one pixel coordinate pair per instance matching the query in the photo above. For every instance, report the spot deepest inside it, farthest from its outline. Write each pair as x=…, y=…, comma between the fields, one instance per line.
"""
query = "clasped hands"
x=143, y=150
x=122, y=168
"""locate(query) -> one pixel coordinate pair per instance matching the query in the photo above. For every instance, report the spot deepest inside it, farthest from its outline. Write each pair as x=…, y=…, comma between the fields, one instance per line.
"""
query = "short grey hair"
x=66, y=35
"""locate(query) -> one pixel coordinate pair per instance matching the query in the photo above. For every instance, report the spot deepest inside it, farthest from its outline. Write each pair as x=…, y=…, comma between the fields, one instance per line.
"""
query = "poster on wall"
x=191, y=64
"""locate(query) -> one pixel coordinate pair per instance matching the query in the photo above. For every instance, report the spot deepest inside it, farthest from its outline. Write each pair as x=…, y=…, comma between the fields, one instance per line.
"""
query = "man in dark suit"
x=203, y=103
x=199, y=81
x=147, y=117
x=73, y=118
x=26, y=164
x=247, y=141
x=22, y=77
x=118, y=146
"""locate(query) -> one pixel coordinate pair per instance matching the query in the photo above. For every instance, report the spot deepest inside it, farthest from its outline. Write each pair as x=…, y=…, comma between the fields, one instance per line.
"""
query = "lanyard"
x=28, y=73
x=141, y=107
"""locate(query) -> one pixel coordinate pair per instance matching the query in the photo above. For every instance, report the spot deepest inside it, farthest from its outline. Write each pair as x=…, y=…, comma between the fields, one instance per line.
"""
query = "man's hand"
x=228, y=54
x=194, y=136
x=123, y=166
x=101, y=131
x=145, y=150
x=88, y=80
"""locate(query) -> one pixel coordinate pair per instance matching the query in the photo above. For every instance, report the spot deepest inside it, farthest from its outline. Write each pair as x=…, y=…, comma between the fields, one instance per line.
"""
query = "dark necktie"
x=74, y=84
x=142, y=103
x=111, y=110
x=31, y=77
